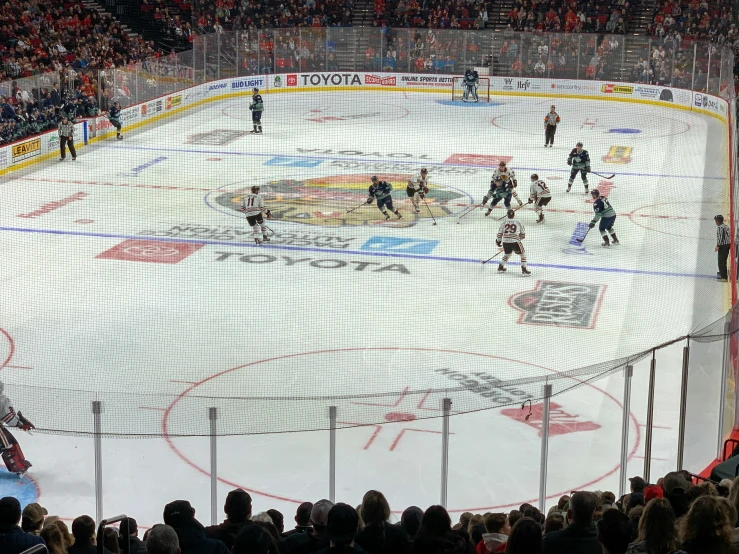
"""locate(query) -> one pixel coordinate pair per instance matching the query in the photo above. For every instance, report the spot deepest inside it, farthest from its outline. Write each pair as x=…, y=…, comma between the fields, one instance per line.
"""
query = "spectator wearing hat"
x=343, y=522
x=253, y=539
x=723, y=246
x=162, y=539
x=33, y=518
x=129, y=537
x=675, y=486
x=436, y=535
x=378, y=536
x=13, y=540
x=657, y=531
x=83, y=531
x=653, y=491
x=580, y=536
x=180, y=515
x=410, y=521
x=238, y=513
x=302, y=519
x=614, y=532
x=315, y=540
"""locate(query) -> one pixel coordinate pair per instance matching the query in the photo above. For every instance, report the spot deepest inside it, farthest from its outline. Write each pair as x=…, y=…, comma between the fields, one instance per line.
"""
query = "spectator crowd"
x=673, y=516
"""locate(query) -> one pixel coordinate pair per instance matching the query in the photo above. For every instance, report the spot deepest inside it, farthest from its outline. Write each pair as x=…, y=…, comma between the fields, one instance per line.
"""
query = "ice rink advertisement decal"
x=477, y=160
x=559, y=304
x=151, y=251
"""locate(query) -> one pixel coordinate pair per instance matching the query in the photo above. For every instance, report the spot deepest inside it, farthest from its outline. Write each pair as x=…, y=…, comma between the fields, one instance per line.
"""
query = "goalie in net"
x=11, y=451
x=470, y=82
x=471, y=87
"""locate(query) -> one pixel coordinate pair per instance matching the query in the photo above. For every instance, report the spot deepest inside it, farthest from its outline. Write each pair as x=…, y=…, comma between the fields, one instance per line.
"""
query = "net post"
x=213, y=417
x=722, y=399
x=683, y=405
x=332, y=454
x=628, y=374
x=544, y=448
x=446, y=407
x=97, y=410
x=650, y=417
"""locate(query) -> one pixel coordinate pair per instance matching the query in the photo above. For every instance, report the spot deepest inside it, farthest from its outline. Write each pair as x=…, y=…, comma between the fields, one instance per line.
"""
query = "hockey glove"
x=421, y=195
x=531, y=201
x=242, y=208
x=425, y=190
x=484, y=200
x=268, y=214
x=569, y=162
x=498, y=243
x=587, y=170
x=591, y=225
x=370, y=200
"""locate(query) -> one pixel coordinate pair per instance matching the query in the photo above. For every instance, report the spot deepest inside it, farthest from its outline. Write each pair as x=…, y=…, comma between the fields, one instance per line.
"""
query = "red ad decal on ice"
x=477, y=160
x=560, y=421
x=152, y=251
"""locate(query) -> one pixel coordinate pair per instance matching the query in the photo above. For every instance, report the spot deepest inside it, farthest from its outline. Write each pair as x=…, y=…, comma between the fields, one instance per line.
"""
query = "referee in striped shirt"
x=723, y=246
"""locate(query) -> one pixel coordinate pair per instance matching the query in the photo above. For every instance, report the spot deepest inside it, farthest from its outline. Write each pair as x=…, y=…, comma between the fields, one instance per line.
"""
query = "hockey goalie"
x=9, y=447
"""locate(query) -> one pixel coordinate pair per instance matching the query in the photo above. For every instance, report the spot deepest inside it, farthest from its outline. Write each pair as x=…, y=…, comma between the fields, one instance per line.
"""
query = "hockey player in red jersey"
x=11, y=451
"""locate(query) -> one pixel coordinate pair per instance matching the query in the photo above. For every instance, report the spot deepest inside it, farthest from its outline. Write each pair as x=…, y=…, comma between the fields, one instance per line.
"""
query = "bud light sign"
x=248, y=83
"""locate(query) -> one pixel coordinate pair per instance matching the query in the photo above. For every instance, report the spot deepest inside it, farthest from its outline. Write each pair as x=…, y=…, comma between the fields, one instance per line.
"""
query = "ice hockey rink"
x=130, y=270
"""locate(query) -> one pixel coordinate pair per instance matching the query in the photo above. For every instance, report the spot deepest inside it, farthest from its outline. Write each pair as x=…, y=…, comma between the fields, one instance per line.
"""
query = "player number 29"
x=510, y=228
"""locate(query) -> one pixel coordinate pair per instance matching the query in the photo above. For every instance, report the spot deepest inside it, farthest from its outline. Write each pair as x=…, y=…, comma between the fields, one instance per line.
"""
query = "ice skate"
x=569, y=187
x=605, y=242
x=257, y=241
x=541, y=218
x=265, y=238
x=119, y=137
x=501, y=268
x=387, y=217
x=525, y=272
x=487, y=213
x=397, y=212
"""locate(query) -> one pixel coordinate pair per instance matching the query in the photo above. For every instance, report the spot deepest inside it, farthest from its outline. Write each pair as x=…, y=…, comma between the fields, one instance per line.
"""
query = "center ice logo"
x=325, y=201
x=559, y=304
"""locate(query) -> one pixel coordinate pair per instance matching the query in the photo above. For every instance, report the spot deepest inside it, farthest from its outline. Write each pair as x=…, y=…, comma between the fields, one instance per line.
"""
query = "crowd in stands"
x=461, y=14
x=673, y=516
x=560, y=16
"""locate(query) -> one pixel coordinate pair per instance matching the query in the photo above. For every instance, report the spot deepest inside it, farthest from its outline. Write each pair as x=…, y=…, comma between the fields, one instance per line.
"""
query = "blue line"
x=393, y=160
x=358, y=252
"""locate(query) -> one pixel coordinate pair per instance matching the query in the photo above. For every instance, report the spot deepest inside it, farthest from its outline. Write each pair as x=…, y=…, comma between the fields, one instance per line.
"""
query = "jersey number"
x=543, y=187
x=249, y=202
x=511, y=228
x=606, y=204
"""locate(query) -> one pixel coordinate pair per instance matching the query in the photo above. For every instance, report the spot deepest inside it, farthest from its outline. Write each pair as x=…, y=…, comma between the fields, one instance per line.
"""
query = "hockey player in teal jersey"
x=607, y=216
x=579, y=159
x=380, y=191
x=469, y=84
x=499, y=190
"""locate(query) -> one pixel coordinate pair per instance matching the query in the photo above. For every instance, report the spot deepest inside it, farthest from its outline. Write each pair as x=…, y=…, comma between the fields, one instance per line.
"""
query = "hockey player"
x=510, y=235
x=470, y=82
x=381, y=190
x=12, y=454
x=607, y=216
x=498, y=190
x=579, y=159
x=417, y=188
x=253, y=207
x=114, y=116
x=256, y=107
x=551, y=120
x=505, y=175
x=539, y=196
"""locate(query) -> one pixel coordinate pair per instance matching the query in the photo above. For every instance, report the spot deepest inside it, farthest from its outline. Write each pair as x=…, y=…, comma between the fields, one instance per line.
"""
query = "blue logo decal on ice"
x=138, y=169
x=293, y=162
x=625, y=131
x=395, y=244
x=581, y=230
x=21, y=488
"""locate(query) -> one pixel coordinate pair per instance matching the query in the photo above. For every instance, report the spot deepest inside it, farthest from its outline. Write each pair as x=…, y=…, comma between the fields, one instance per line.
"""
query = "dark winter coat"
x=576, y=539
x=383, y=539
x=193, y=541
x=304, y=543
x=137, y=545
x=452, y=542
x=226, y=531
x=14, y=540
x=84, y=548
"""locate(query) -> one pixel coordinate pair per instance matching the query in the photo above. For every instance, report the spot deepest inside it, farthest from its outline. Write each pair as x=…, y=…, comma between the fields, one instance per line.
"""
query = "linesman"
x=723, y=246
x=550, y=127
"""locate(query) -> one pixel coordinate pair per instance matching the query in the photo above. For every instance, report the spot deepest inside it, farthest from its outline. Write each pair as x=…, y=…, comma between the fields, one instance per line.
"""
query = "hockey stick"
x=585, y=235
x=356, y=207
x=468, y=212
x=514, y=209
x=603, y=176
x=491, y=257
x=270, y=230
x=429, y=209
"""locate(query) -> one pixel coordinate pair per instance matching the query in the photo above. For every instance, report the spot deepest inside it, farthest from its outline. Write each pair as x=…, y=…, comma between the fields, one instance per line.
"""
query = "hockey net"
x=483, y=89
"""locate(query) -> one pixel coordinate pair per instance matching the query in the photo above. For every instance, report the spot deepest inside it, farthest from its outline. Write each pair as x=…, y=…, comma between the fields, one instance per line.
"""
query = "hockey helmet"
x=424, y=170
x=579, y=145
x=255, y=90
x=502, y=163
x=534, y=177
x=510, y=213
x=553, y=107
x=374, y=178
x=595, y=193
x=255, y=189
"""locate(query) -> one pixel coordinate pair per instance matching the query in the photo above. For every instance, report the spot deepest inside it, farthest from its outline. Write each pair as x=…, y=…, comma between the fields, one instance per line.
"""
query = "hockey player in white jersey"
x=11, y=451
x=539, y=196
x=506, y=175
x=253, y=207
x=510, y=235
x=417, y=188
